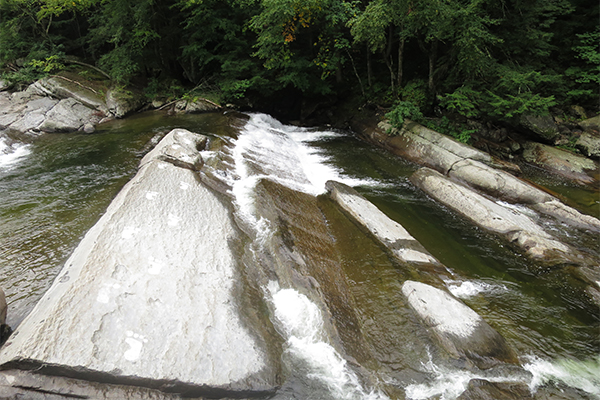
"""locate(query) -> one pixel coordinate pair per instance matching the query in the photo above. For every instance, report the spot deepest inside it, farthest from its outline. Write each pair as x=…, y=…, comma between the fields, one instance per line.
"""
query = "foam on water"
x=267, y=149
x=302, y=325
x=11, y=153
x=466, y=289
x=449, y=384
x=583, y=375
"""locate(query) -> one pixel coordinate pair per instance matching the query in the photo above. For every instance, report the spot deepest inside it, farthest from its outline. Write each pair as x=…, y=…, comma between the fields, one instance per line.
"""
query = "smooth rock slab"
x=458, y=329
x=512, y=225
x=504, y=186
x=149, y=297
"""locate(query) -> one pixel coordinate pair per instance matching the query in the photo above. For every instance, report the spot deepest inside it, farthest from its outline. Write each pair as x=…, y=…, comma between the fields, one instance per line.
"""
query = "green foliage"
x=587, y=76
x=416, y=92
x=401, y=111
x=457, y=131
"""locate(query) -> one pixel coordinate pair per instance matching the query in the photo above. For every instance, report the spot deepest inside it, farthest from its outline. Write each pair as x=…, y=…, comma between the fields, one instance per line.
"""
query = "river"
x=53, y=188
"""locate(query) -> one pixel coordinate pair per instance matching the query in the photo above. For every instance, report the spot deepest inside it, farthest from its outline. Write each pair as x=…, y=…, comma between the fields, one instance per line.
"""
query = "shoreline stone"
x=515, y=227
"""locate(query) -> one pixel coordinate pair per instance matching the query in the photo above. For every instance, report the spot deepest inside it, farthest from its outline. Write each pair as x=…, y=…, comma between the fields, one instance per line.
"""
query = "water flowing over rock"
x=151, y=296
x=457, y=328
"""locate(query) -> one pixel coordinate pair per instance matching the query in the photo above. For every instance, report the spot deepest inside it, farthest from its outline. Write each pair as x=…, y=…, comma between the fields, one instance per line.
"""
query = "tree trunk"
x=388, y=58
x=432, y=59
x=400, y=61
x=369, y=71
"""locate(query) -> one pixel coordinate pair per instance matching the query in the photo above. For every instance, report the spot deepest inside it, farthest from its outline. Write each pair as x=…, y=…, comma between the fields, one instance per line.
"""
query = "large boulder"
x=504, y=186
x=561, y=162
x=456, y=327
x=152, y=295
x=514, y=226
x=591, y=123
x=195, y=106
x=67, y=116
x=62, y=87
x=541, y=125
x=123, y=102
x=589, y=144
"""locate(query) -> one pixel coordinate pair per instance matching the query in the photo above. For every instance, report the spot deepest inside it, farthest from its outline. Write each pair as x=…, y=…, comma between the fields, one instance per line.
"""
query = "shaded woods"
x=483, y=59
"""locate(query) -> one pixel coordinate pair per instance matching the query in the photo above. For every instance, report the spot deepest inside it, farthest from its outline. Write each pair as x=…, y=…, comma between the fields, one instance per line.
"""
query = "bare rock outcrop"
x=151, y=295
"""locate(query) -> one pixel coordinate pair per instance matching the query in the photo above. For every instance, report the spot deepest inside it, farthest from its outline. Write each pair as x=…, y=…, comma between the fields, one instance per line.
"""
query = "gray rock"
x=589, y=144
x=508, y=223
x=456, y=327
x=591, y=123
x=20, y=385
x=504, y=186
x=89, y=128
x=4, y=85
x=568, y=215
x=120, y=102
x=497, y=183
x=28, y=122
x=67, y=116
x=180, y=147
x=199, y=106
x=560, y=162
x=480, y=389
x=64, y=88
x=542, y=125
x=427, y=147
x=390, y=233
x=150, y=297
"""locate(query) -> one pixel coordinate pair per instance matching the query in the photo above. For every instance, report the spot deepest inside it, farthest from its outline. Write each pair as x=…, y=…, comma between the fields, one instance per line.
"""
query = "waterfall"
x=11, y=151
x=266, y=149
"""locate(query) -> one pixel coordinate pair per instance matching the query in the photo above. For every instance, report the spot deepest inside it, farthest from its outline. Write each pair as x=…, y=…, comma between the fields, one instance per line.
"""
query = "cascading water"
x=265, y=149
x=54, y=188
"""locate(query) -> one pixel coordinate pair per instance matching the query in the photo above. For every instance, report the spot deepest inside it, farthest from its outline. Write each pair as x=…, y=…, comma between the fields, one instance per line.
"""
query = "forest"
x=490, y=60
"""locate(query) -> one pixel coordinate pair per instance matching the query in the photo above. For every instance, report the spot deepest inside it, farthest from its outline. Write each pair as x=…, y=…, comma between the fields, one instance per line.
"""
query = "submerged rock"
x=151, y=297
x=480, y=389
x=456, y=327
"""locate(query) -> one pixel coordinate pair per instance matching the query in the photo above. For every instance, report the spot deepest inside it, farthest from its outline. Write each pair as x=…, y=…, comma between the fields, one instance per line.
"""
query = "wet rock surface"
x=456, y=327
x=560, y=162
x=151, y=296
x=480, y=389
